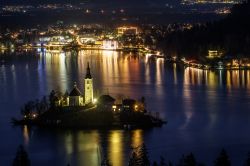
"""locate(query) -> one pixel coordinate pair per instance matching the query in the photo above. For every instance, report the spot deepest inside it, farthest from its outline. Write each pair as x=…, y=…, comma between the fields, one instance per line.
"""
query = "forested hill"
x=230, y=35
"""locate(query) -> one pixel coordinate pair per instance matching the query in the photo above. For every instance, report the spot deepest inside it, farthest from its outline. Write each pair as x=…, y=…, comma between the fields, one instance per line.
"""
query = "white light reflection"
x=188, y=110
x=13, y=72
x=56, y=71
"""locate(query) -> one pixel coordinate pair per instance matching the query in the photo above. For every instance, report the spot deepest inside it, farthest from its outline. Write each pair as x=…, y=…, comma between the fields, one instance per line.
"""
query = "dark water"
x=206, y=110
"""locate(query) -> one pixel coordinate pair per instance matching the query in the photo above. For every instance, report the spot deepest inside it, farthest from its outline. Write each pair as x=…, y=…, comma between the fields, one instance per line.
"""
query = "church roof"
x=106, y=99
x=128, y=102
x=75, y=92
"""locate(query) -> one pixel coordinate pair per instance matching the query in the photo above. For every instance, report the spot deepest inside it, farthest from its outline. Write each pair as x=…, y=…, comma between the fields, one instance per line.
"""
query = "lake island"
x=82, y=110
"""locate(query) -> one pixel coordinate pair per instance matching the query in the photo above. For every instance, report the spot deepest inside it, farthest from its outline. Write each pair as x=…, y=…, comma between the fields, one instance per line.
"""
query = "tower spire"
x=88, y=86
x=88, y=75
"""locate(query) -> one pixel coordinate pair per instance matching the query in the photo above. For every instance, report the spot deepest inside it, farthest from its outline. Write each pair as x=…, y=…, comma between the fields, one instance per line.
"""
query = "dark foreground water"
x=206, y=110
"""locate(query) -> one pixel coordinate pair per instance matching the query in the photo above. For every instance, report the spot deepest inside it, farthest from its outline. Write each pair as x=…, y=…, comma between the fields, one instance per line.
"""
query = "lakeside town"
x=147, y=39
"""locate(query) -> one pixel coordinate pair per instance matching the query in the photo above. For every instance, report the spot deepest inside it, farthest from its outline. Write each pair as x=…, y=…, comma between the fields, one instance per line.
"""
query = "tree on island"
x=44, y=103
x=222, y=159
x=28, y=108
x=52, y=99
x=139, y=156
x=21, y=158
x=37, y=107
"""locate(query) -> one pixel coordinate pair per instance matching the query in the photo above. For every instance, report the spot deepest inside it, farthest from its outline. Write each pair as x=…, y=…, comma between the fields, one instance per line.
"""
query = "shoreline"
x=92, y=120
x=204, y=66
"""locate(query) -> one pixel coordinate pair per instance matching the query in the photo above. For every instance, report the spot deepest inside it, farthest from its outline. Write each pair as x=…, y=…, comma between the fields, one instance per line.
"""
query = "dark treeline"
x=139, y=157
x=230, y=35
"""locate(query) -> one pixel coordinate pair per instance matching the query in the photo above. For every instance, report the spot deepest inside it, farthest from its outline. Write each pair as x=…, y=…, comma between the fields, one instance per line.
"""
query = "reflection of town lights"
x=94, y=100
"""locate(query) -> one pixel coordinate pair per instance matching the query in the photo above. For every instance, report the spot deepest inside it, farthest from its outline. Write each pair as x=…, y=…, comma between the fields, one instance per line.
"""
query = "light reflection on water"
x=116, y=147
x=218, y=78
x=198, y=105
x=90, y=147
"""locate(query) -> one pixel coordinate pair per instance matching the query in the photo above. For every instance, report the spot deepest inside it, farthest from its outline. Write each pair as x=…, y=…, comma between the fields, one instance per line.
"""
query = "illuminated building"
x=98, y=42
x=214, y=54
x=87, y=39
x=110, y=45
x=127, y=30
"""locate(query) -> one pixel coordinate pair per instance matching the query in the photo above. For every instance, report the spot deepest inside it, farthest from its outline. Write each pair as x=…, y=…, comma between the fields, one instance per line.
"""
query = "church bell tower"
x=88, y=87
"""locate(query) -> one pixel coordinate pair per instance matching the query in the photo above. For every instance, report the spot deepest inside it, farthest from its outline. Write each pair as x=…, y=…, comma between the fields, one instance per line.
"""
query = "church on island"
x=77, y=109
x=104, y=102
x=75, y=98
